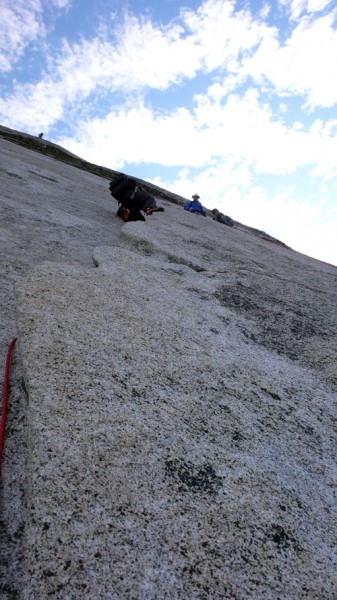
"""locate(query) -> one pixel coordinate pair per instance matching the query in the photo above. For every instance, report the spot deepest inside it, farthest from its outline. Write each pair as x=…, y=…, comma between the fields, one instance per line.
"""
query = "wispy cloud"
x=304, y=65
x=61, y=3
x=223, y=123
x=149, y=56
x=20, y=23
x=242, y=127
x=296, y=8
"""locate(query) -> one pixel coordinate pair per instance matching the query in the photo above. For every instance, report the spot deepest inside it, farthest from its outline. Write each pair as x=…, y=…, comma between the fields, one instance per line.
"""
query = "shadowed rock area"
x=172, y=418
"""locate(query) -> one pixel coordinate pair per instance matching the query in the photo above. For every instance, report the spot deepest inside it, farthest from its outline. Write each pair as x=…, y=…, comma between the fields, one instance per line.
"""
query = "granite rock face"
x=181, y=419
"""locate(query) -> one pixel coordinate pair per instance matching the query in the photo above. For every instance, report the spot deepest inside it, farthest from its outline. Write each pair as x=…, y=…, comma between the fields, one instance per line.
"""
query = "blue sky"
x=233, y=100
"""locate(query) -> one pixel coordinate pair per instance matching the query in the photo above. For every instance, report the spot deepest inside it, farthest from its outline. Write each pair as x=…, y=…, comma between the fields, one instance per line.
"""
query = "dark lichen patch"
x=238, y=298
x=237, y=436
x=284, y=317
x=225, y=408
x=302, y=327
x=48, y=573
x=193, y=478
x=282, y=539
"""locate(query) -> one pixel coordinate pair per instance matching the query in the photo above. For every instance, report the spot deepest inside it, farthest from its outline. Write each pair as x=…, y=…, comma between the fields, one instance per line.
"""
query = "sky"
x=233, y=100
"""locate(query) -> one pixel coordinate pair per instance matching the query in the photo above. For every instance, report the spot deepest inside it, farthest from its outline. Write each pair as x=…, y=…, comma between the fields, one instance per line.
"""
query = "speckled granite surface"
x=182, y=419
x=177, y=436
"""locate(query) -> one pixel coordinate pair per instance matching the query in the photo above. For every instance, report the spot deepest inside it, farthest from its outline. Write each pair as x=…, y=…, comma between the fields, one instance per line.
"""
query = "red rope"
x=4, y=399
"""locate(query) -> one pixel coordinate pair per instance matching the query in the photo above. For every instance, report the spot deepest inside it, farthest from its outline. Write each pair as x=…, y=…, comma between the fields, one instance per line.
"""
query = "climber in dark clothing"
x=146, y=202
x=221, y=218
x=132, y=199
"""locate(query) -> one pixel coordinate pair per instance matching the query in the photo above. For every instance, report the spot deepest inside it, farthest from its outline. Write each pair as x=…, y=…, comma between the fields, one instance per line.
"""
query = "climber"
x=221, y=218
x=195, y=206
x=132, y=199
x=146, y=202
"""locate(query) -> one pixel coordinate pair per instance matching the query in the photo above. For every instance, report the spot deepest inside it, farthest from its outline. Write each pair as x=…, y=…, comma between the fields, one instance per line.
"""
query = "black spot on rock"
x=237, y=436
x=282, y=539
x=190, y=477
x=48, y=573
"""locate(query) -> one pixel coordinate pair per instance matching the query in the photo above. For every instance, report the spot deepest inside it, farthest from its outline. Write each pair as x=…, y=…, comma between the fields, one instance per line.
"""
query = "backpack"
x=123, y=188
x=115, y=182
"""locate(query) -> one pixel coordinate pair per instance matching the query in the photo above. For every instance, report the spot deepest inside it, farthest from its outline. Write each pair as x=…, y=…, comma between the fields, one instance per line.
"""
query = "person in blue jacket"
x=195, y=206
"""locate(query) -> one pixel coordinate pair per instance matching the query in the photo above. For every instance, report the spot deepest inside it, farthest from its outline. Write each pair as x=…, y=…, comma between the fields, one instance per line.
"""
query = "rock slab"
x=182, y=418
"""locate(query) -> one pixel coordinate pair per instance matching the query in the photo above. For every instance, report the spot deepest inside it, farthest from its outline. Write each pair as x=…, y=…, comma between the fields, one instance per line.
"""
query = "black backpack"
x=115, y=182
x=124, y=189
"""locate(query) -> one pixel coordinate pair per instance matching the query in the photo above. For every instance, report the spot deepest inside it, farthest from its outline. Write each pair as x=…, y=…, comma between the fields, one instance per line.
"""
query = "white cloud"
x=219, y=185
x=151, y=56
x=242, y=130
x=265, y=10
x=20, y=24
x=221, y=34
x=144, y=58
x=222, y=124
x=61, y=3
x=32, y=107
x=304, y=227
x=137, y=135
x=156, y=57
x=324, y=143
x=304, y=65
x=297, y=7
